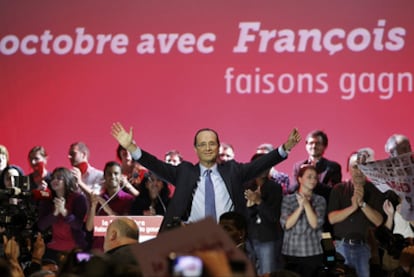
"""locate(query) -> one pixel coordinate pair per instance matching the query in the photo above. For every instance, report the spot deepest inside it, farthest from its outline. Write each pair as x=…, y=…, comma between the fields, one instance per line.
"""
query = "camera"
x=18, y=214
x=185, y=265
x=21, y=188
x=333, y=262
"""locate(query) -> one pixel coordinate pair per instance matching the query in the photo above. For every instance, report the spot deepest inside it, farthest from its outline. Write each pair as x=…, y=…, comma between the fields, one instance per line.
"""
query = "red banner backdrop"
x=252, y=70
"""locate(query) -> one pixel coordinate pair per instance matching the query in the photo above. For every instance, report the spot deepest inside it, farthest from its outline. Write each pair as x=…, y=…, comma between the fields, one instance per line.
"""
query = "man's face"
x=36, y=158
x=226, y=154
x=356, y=175
x=207, y=147
x=112, y=177
x=400, y=148
x=315, y=147
x=172, y=159
x=76, y=156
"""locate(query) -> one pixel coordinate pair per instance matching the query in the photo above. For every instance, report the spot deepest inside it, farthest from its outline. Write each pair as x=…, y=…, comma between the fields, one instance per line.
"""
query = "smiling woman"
x=64, y=215
x=303, y=213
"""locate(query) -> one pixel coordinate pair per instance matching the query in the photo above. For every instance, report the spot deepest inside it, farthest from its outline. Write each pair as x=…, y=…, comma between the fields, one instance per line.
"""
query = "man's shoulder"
x=298, y=164
x=369, y=186
x=123, y=253
x=331, y=163
x=125, y=195
x=93, y=169
x=342, y=186
x=186, y=164
x=94, y=173
x=228, y=164
x=271, y=184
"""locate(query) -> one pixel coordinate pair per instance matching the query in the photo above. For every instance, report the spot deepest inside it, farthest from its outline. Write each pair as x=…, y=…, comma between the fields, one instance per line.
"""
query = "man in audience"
x=122, y=234
x=113, y=200
x=355, y=207
x=397, y=144
x=89, y=178
x=40, y=177
x=329, y=172
x=226, y=152
x=173, y=157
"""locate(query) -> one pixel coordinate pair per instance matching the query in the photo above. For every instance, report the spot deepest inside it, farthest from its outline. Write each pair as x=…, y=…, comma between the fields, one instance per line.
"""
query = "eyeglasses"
x=211, y=144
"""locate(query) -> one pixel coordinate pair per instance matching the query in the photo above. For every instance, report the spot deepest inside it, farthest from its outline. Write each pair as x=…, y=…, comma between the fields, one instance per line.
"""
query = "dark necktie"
x=210, y=203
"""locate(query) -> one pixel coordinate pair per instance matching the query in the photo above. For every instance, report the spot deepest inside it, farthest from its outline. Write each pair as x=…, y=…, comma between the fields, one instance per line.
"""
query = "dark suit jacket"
x=186, y=175
x=268, y=227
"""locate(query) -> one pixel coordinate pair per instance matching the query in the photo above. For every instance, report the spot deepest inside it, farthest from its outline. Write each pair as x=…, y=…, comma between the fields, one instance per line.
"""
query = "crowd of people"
x=47, y=216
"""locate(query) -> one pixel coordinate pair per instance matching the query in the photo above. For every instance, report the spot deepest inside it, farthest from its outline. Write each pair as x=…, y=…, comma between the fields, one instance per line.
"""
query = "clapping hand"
x=12, y=253
x=252, y=197
x=60, y=206
x=301, y=200
x=11, y=248
x=358, y=196
x=39, y=248
x=388, y=208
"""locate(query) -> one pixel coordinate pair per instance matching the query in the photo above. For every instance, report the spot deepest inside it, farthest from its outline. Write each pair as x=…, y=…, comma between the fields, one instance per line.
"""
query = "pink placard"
x=148, y=225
